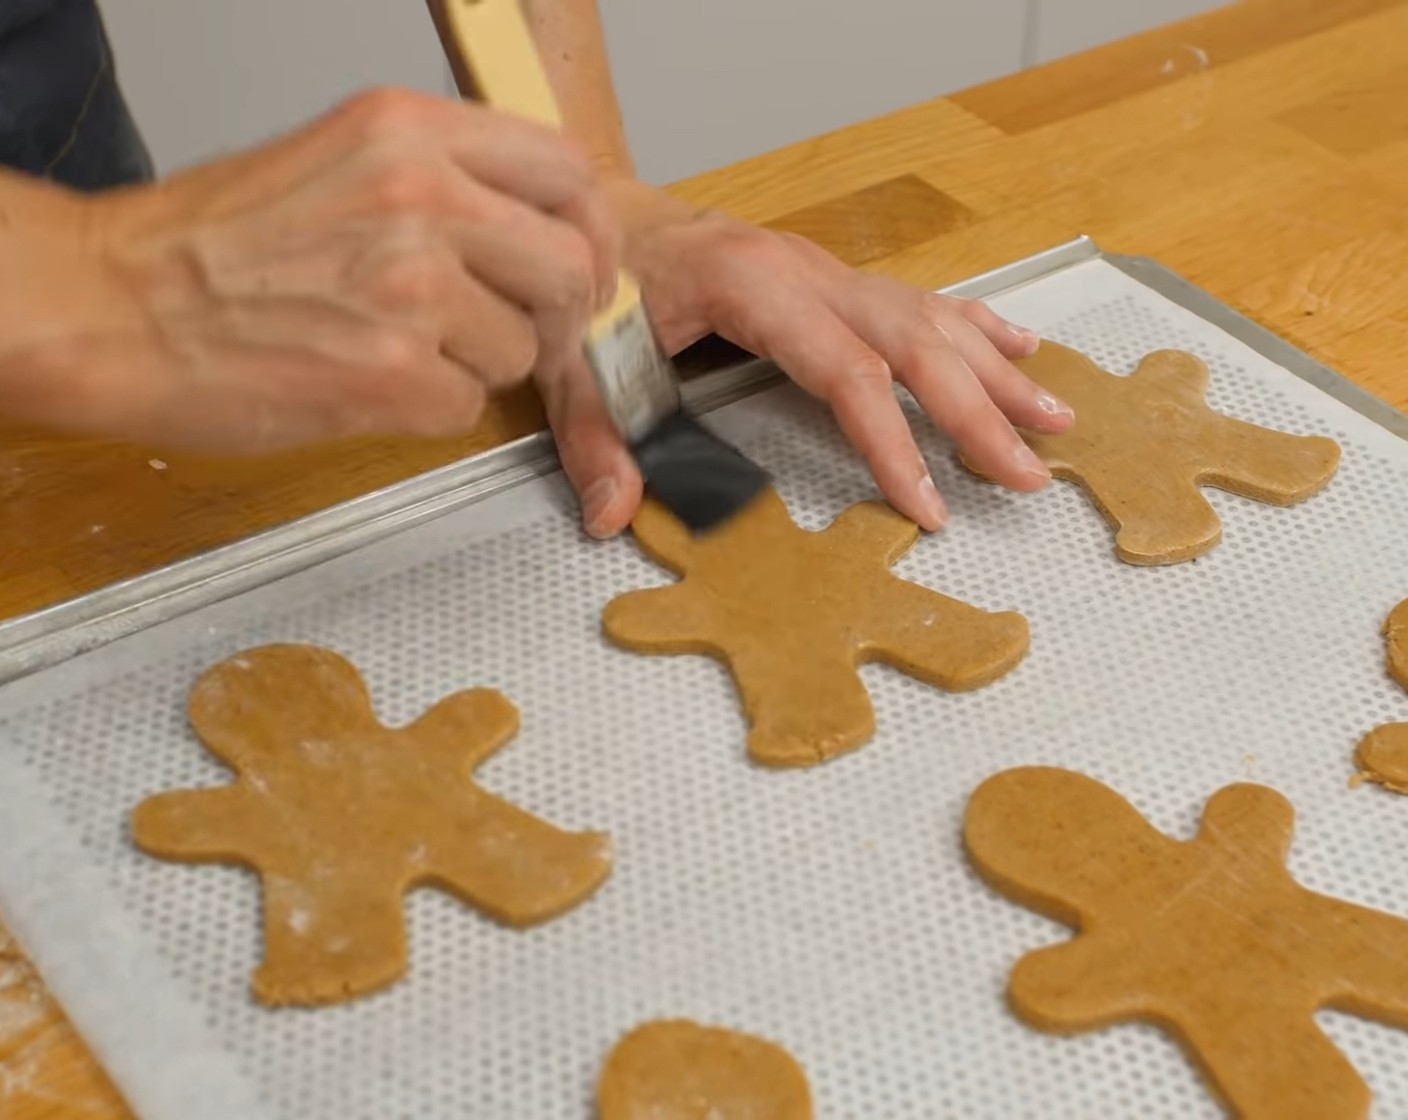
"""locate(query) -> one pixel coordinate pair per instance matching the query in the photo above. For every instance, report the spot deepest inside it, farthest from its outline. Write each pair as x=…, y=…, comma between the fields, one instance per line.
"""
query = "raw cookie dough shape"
x=341, y=815
x=1382, y=755
x=792, y=613
x=1142, y=445
x=1210, y=938
x=678, y=1070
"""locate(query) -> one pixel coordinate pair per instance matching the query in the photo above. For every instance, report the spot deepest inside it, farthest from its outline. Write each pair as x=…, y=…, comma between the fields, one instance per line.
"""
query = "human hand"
x=378, y=271
x=844, y=336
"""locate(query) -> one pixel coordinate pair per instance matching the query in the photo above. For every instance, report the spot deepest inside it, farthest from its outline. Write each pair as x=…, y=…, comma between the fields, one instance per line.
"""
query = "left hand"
x=842, y=335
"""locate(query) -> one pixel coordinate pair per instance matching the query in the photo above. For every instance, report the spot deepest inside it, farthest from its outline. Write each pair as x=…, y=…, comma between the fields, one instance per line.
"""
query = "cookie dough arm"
x=464, y=729
x=943, y=642
x=873, y=528
x=1074, y=986
x=1374, y=962
x=516, y=868
x=1274, y=467
x=660, y=620
x=220, y=825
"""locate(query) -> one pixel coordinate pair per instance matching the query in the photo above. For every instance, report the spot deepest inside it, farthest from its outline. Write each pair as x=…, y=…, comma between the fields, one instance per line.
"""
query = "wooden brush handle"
x=494, y=58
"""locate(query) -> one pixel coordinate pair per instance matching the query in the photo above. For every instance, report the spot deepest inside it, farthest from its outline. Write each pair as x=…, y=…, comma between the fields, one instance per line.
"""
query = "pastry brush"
x=701, y=479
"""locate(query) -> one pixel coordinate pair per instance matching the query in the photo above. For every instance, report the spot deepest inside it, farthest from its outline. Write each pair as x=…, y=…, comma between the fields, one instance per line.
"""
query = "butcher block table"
x=1260, y=150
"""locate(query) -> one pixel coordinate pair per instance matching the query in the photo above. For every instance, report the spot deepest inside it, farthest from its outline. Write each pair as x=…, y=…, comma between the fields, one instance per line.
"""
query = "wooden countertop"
x=1260, y=150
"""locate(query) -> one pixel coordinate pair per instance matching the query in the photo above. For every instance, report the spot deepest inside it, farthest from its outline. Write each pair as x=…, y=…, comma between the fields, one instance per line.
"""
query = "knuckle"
x=574, y=278
x=794, y=240
x=408, y=280
x=398, y=187
x=751, y=245
x=517, y=355
x=451, y=412
x=968, y=418
x=860, y=378
x=935, y=309
x=870, y=368
x=397, y=351
x=520, y=354
x=386, y=110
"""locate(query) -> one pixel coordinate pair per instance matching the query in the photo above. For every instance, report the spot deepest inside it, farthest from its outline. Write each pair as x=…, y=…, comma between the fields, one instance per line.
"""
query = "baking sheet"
x=830, y=909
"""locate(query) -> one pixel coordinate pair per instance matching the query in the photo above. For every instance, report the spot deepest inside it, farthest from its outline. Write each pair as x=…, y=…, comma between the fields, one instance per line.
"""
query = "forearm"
x=573, y=47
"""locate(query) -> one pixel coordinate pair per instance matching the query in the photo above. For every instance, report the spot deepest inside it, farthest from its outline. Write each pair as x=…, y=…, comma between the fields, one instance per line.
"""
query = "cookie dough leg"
x=803, y=706
x=1277, y=1065
x=1163, y=525
x=518, y=869
x=329, y=934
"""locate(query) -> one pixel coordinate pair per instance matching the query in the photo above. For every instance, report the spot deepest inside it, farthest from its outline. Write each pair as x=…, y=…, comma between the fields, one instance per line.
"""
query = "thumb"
x=594, y=457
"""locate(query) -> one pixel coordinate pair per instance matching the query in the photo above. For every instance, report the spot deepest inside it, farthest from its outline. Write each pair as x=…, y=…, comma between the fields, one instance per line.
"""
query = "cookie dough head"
x=678, y=1070
x=244, y=708
x=1030, y=833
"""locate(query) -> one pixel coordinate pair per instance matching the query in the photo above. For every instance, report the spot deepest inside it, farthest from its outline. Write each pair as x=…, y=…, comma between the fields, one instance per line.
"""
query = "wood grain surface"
x=1260, y=150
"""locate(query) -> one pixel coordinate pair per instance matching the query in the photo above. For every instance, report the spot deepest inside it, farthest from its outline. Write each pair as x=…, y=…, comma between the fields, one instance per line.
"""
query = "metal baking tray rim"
x=36, y=641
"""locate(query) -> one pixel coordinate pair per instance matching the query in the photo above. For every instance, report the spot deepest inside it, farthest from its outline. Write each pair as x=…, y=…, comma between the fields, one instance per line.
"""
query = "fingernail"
x=932, y=503
x=1026, y=334
x=596, y=504
x=1052, y=406
x=1027, y=462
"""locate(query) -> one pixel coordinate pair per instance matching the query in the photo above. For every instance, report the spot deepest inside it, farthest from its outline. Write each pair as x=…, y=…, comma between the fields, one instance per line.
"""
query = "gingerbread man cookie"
x=678, y=1070
x=1142, y=445
x=792, y=613
x=341, y=815
x=1210, y=938
x=1382, y=756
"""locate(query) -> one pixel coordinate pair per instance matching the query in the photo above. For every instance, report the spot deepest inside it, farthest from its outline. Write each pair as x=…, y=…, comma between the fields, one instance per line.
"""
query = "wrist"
x=663, y=236
x=642, y=209
x=62, y=307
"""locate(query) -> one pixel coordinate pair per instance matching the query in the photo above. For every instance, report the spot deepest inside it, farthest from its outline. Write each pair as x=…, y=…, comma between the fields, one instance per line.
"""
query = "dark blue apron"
x=62, y=115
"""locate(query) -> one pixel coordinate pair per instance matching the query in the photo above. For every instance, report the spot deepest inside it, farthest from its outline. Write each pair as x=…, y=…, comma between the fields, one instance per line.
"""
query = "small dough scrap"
x=678, y=1070
x=792, y=613
x=1209, y=938
x=1382, y=755
x=1396, y=639
x=1142, y=445
x=340, y=816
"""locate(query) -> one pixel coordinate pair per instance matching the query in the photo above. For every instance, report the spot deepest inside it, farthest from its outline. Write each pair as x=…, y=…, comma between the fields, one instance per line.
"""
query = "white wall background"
x=702, y=82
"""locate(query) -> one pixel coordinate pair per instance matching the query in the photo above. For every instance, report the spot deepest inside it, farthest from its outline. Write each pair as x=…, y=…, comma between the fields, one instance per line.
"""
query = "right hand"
x=378, y=271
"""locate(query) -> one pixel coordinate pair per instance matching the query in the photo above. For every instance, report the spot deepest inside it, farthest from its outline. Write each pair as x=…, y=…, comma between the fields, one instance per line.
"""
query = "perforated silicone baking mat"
x=831, y=909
